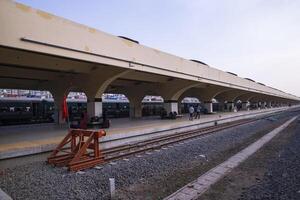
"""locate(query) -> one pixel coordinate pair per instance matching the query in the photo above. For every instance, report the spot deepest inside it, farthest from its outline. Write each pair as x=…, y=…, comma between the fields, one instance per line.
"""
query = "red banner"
x=65, y=113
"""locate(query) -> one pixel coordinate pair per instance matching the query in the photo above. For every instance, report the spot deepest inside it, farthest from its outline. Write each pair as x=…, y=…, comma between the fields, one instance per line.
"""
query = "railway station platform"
x=31, y=139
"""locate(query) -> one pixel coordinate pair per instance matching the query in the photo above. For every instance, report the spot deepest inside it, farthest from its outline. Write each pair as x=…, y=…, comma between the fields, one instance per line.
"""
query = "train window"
x=74, y=109
x=27, y=109
x=11, y=109
x=4, y=109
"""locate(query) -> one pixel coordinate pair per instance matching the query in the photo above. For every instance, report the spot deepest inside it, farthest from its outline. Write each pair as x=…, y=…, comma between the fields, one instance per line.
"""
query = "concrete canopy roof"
x=31, y=39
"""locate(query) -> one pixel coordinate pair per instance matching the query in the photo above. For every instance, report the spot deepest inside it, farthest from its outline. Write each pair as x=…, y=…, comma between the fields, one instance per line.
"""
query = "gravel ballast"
x=281, y=179
x=271, y=173
x=151, y=176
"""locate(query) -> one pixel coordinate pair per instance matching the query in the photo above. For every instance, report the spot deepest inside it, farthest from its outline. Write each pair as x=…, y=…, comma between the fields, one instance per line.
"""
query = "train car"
x=35, y=110
x=23, y=110
x=152, y=108
x=116, y=109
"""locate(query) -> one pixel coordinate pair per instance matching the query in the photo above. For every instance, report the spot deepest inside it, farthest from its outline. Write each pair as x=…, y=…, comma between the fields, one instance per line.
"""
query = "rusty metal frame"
x=78, y=150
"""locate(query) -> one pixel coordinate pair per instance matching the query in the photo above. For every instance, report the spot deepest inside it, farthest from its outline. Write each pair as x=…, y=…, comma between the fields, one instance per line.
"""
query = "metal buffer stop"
x=78, y=150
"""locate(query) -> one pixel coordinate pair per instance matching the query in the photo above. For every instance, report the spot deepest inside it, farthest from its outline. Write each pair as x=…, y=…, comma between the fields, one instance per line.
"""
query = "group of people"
x=194, y=112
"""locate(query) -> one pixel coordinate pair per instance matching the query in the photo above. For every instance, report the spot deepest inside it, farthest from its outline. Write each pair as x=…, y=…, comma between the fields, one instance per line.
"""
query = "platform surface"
x=39, y=135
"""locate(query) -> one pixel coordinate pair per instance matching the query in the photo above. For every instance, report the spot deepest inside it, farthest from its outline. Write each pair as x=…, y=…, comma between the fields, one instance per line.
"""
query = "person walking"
x=191, y=111
x=198, y=110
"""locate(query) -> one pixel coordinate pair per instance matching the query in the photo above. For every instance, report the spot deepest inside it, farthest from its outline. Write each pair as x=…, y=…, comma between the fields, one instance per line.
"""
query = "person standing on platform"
x=198, y=110
x=191, y=111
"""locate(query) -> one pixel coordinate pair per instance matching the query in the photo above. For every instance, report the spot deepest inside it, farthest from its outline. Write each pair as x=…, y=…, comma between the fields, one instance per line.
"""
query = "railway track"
x=159, y=177
x=96, y=157
x=75, y=158
x=86, y=153
x=124, y=151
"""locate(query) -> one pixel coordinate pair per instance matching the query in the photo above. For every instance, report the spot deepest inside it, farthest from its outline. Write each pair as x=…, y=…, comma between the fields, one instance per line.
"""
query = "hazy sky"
x=258, y=39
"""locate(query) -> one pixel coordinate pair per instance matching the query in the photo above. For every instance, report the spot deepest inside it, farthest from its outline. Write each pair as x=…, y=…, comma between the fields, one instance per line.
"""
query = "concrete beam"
x=27, y=31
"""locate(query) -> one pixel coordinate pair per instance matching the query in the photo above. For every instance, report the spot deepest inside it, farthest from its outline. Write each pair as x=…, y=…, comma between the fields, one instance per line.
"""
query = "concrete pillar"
x=58, y=114
x=179, y=107
x=135, y=102
x=171, y=106
x=269, y=105
x=135, y=109
x=245, y=105
x=230, y=106
x=58, y=117
x=94, y=107
x=255, y=105
x=208, y=106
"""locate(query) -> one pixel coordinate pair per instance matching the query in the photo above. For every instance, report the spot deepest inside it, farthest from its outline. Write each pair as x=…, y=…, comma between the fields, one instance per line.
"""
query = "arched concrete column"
x=271, y=102
x=58, y=100
x=258, y=101
x=135, y=104
x=279, y=102
x=59, y=88
x=205, y=95
x=229, y=97
x=95, y=84
x=92, y=84
x=94, y=107
x=172, y=91
x=135, y=95
x=267, y=101
x=245, y=99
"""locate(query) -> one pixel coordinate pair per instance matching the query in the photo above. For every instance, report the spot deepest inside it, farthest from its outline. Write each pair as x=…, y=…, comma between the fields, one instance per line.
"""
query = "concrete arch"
x=170, y=91
x=205, y=95
x=176, y=92
x=230, y=95
x=259, y=97
x=245, y=97
x=258, y=101
x=135, y=94
x=92, y=84
x=227, y=99
x=97, y=82
x=172, y=98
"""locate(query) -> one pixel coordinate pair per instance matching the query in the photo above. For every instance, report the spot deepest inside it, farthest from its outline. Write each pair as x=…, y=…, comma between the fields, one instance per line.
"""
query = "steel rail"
x=159, y=142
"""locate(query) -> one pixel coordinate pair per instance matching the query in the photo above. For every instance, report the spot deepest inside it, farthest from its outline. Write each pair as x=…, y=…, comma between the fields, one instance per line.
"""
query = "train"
x=15, y=111
x=22, y=111
x=35, y=110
